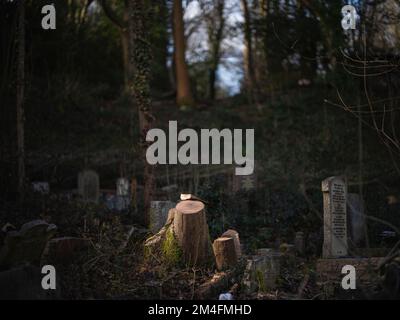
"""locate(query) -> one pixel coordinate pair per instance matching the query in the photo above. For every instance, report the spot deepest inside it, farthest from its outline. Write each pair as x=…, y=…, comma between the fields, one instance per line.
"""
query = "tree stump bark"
x=191, y=231
x=185, y=239
x=225, y=253
x=235, y=235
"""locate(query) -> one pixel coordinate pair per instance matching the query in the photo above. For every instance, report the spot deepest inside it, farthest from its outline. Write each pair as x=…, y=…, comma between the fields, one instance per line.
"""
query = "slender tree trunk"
x=125, y=58
x=140, y=61
x=20, y=99
x=211, y=82
x=248, y=54
x=215, y=37
x=184, y=94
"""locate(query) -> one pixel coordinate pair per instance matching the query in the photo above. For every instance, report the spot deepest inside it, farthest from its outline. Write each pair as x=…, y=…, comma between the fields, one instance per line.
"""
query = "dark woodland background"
x=323, y=102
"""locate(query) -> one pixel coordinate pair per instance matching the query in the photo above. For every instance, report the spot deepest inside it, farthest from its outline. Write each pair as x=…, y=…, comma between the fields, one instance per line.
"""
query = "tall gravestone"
x=123, y=196
x=334, y=191
x=89, y=186
x=355, y=206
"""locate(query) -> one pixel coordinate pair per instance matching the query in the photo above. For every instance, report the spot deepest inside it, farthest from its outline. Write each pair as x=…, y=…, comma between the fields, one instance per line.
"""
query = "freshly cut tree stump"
x=184, y=239
x=191, y=231
x=235, y=235
x=225, y=253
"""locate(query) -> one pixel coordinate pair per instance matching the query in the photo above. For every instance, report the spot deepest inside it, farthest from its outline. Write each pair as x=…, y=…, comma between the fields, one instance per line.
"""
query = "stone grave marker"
x=24, y=283
x=334, y=191
x=262, y=271
x=122, y=194
x=89, y=186
x=26, y=245
x=65, y=250
x=159, y=213
x=299, y=242
x=42, y=187
x=355, y=206
x=245, y=183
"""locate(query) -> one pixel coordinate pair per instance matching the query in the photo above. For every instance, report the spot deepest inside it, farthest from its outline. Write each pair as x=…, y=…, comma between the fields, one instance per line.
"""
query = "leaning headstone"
x=355, y=206
x=122, y=194
x=26, y=245
x=159, y=213
x=89, y=186
x=334, y=191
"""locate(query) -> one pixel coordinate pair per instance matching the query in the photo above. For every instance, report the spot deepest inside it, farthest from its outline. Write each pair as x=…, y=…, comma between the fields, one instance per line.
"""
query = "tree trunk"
x=125, y=59
x=215, y=35
x=225, y=253
x=191, y=231
x=248, y=54
x=140, y=61
x=184, y=95
x=20, y=99
x=184, y=240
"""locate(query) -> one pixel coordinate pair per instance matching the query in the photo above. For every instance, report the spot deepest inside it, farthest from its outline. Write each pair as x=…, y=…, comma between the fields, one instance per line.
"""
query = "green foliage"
x=172, y=253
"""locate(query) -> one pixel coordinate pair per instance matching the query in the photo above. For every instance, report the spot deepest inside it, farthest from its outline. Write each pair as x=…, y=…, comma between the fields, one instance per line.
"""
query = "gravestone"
x=334, y=191
x=89, y=186
x=65, y=250
x=355, y=206
x=299, y=242
x=42, y=187
x=123, y=196
x=262, y=271
x=245, y=183
x=26, y=245
x=159, y=213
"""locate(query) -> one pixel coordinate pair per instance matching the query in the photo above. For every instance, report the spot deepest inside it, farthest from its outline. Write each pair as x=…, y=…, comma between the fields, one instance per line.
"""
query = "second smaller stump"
x=225, y=253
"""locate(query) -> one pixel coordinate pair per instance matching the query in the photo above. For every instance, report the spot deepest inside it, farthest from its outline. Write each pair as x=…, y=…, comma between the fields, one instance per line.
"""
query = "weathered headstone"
x=334, y=191
x=247, y=182
x=65, y=250
x=89, y=186
x=123, y=196
x=262, y=271
x=355, y=206
x=159, y=213
x=122, y=187
x=299, y=242
x=26, y=245
x=42, y=187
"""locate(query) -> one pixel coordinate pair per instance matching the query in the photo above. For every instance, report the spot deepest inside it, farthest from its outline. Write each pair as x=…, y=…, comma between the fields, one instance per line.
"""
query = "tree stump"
x=225, y=253
x=191, y=231
x=235, y=235
x=185, y=237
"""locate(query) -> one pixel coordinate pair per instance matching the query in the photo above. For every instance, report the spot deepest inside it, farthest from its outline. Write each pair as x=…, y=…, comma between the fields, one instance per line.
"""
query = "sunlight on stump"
x=191, y=231
x=184, y=240
x=225, y=253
